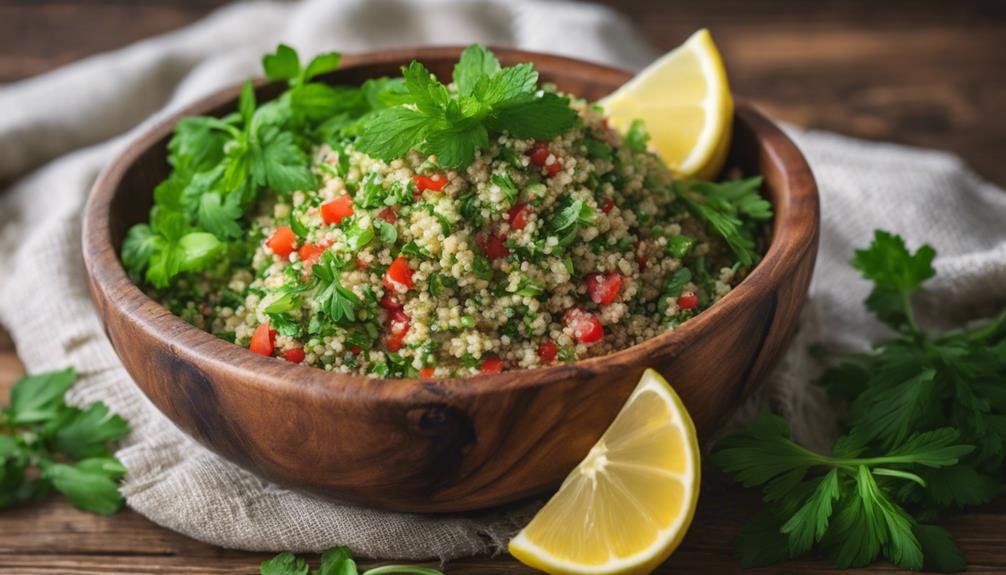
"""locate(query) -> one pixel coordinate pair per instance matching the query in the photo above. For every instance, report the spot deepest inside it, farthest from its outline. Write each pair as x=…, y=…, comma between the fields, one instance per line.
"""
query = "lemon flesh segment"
x=684, y=100
x=628, y=504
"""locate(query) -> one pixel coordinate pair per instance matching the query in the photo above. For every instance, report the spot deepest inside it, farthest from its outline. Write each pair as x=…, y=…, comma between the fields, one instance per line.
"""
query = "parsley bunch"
x=221, y=165
x=925, y=435
x=46, y=444
x=488, y=99
x=335, y=561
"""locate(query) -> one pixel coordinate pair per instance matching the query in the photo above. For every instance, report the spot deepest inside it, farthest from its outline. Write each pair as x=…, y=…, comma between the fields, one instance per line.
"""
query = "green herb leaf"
x=896, y=274
x=39, y=398
x=87, y=486
x=284, y=564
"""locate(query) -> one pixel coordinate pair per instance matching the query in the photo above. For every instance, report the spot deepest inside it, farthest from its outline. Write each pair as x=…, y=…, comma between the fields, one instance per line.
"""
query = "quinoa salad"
x=409, y=228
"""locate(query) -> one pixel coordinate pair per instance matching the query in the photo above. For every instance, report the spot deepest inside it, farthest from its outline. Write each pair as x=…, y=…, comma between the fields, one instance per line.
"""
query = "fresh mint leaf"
x=322, y=64
x=456, y=146
x=392, y=132
x=512, y=85
x=541, y=118
x=284, y=64
x=428, y=95
x=476, y=64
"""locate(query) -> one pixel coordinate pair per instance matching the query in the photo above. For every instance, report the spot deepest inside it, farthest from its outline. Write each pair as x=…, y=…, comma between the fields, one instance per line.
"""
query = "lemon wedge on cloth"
x=627, y=506
x=684, y=100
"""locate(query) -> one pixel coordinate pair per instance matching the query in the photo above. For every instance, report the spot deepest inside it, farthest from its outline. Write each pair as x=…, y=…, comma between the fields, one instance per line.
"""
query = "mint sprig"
x=488, y=99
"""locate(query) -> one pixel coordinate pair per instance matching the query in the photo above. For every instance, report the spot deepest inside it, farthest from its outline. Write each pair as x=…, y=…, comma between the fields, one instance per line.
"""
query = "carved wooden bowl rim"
x=793, y=231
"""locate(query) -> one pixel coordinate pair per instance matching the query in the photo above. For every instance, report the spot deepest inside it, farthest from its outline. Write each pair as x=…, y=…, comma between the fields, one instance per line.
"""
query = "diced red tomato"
x=389, y=303
x=355, y=350
x=281, y=241
x=334, y=211
x=539, y=155
x=586, y=327
x=435, y=182
x=398, y=327
x=295, y=355
x=688, y=301
x=263, y=341
x=426, y=372
x=311, y=253
x=394, y=342
x=553, y=167
x=388, y=214
x=492, y=364
x=518, y=216
x=399, y=274
x=492, y=245
x=547, y=351
x=607, y=204
x=361, y=265
x=603, y=288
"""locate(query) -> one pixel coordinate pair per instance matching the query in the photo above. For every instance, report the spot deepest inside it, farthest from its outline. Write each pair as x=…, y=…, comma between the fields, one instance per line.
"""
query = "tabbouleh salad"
x=408, y=228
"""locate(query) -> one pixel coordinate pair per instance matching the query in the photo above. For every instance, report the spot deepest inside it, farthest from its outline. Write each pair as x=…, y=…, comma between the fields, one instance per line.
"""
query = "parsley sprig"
x=925, y=435
x=732, y=209
x=454, y=126
x=335, y=561
x=46, y=444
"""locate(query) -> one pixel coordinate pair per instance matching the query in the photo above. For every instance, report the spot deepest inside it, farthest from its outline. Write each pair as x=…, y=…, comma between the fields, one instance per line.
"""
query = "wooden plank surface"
x=920, y=72
x=54, y=538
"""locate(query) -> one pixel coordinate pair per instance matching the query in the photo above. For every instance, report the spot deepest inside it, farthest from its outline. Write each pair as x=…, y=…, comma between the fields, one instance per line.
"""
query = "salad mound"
x=407, y=228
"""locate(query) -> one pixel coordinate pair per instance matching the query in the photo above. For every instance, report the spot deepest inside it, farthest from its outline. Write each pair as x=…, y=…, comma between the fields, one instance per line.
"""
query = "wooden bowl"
x=447, y=445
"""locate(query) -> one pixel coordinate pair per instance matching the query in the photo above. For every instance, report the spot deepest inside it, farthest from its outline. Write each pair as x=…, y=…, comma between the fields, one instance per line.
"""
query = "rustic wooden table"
x=923, y=73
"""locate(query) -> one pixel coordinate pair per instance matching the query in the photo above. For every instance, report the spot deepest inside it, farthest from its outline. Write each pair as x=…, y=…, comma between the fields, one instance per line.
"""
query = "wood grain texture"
x=921, y=72
x=452, y=445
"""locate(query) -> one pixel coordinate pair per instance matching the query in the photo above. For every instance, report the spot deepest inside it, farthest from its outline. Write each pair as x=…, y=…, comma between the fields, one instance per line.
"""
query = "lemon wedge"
x=684, y=100
x=626, y=507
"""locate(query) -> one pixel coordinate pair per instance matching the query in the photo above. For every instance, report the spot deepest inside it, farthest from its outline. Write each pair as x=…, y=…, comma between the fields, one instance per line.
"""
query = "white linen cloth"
x=59, y=129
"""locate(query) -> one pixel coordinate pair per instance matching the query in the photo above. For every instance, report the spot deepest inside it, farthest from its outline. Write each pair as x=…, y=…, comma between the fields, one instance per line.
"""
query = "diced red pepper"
x=399, y=321
x=295, y=355
x=518, y=216
x=263, y=341
x=399, y=274
x=281, y=241
x=334, y=211
x=435, y=182
x=310, y=254
x=492, y=364
x=603, y=288
x=389, y=303
x=426, y=372
x=607, y=205
x=388, y=214
x=547, y=351
x=586, y=327
x=688, y=301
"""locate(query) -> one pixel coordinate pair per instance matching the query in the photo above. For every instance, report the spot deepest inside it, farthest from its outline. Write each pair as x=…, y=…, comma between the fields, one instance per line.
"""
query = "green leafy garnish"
x=925, y=435
x=46, y=444
x=335, y=561
x=731, y=209
x=489, y=99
